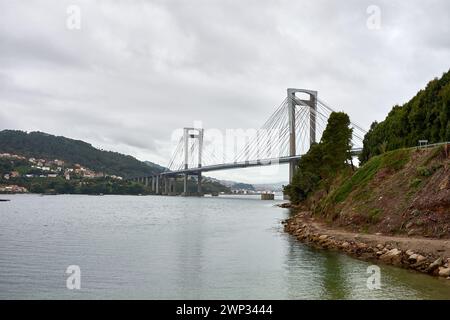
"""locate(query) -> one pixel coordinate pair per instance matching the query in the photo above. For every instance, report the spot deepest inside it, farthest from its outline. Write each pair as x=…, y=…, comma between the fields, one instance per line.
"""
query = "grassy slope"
x=405, y=191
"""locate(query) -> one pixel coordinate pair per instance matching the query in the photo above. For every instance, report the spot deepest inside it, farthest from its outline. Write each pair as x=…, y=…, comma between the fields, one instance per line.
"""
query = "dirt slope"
x=403, y=192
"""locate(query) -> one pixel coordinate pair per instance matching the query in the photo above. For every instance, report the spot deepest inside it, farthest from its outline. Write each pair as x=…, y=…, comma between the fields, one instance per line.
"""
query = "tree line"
x=425, y=117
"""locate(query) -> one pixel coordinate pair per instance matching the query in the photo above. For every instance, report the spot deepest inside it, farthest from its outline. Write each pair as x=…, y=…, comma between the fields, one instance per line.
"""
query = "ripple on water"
x=173, y=247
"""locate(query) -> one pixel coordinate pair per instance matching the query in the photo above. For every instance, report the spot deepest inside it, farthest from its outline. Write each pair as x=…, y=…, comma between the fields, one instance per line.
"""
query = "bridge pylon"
x=293, y=101
x=193, y=133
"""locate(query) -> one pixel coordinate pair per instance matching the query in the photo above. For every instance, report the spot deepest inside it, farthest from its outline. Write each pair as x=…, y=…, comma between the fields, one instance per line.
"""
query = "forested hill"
x=46, y=146
x=424, y=117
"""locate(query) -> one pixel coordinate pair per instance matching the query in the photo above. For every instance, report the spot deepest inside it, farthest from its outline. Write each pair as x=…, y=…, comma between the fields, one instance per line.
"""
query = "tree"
x=336, y=143
x=324, y=160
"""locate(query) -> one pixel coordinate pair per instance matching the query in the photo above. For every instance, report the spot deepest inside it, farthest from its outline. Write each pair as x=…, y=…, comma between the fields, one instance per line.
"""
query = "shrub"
x=424, y=172
x=416, y=182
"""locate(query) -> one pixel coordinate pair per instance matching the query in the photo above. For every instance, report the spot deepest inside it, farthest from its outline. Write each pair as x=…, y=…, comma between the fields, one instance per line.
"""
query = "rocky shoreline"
x=422, y=255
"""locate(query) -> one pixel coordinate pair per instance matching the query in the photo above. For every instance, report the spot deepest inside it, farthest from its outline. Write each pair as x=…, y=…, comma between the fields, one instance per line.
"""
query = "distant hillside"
x=43, y=145
x=235, y=185
x=275, y=187
x=424, y=117
x=155, y=166
x=242, y=186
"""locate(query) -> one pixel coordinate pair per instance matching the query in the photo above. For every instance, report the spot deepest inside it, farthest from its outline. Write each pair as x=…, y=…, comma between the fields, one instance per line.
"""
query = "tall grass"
x=393, y=160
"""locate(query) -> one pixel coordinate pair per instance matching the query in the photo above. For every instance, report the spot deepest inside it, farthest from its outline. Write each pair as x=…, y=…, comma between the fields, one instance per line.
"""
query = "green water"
x=177, y=248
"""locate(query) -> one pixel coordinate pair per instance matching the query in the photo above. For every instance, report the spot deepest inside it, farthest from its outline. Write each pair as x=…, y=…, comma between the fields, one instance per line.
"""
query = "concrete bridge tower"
x=197, y=134
x=292, y=102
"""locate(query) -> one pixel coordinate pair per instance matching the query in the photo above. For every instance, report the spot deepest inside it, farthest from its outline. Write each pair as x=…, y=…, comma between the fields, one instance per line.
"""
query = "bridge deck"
x=234, y=165
x=243, y=164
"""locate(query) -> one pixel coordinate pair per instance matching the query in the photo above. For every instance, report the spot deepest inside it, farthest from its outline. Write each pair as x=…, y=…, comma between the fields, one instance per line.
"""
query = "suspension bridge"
x=288, y=133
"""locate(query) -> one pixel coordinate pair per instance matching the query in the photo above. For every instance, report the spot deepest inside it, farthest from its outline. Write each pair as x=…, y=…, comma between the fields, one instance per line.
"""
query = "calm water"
x=177, y=248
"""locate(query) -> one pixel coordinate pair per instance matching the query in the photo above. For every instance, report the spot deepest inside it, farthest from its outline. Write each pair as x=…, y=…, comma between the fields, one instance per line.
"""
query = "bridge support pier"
x=166, y=185
x=199, y=184
x=173, y=186
x=157, y=185
x=185, y=184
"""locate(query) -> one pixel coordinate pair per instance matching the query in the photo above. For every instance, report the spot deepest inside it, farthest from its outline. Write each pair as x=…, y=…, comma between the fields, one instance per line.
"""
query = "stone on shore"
x=413, y=258
x=420, y=258
x=361, y=245
x=444, y=272
x=393, y=256
x=386, y=252
x=437, y=263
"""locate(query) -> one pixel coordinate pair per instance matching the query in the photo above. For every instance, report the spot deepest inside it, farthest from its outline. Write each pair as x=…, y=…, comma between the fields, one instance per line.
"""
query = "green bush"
x=415, y=183
x=424, y=172
x=374, y=215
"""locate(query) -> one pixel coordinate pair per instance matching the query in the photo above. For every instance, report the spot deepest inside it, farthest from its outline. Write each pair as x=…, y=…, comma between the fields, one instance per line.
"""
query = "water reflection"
x=189, y=250
x=334, y=278
x=331, y=275
x=177, y=248
x=317, y=270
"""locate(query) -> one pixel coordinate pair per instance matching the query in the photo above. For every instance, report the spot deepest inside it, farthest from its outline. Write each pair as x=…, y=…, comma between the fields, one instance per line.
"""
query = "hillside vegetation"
x=46, y=146
x=425, y=117
x=405, y=191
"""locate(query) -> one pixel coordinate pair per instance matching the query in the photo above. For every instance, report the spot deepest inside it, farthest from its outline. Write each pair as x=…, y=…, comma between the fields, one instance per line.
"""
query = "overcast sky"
x=137, y=70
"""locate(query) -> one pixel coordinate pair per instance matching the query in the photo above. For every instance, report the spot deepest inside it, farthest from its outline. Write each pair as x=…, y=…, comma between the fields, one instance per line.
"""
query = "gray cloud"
x=138, y=70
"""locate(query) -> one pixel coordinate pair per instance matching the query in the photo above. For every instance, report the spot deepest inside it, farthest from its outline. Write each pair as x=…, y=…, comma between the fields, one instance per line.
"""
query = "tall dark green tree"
x=336, y=143
x=324, y=160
